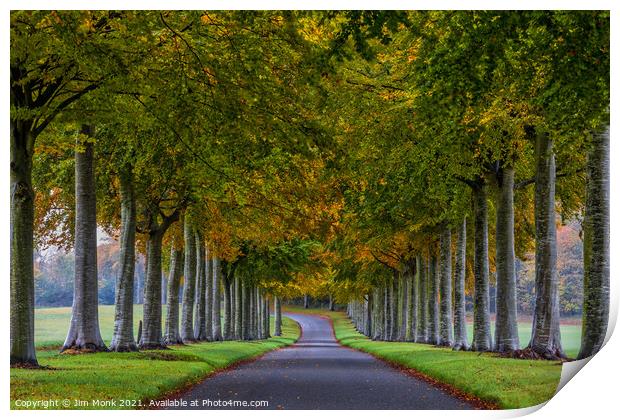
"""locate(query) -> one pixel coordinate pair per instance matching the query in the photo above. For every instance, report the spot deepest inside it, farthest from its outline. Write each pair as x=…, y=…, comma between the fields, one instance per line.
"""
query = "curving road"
x=318, y=373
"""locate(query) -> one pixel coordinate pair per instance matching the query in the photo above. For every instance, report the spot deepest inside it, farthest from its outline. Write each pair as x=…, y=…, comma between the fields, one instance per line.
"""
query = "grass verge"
x=506, y=383
x=130, y=380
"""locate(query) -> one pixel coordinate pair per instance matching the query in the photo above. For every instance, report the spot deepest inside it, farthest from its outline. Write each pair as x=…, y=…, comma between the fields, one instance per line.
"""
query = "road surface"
x=317, y=373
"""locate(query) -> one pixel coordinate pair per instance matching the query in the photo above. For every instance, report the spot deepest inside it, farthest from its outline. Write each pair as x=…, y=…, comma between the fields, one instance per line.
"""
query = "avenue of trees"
x=394, y=161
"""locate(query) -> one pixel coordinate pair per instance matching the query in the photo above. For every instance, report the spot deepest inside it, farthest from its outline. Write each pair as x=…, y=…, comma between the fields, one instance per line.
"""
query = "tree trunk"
x=200, y=315
x=277, y=309
x=260, y=314
x=22, y=246
x=306, y=305
x=482, y=307
x=84, y=330
x=546, y=341
x=331, y=303
x=506, y=333
x=227, y=331
x=446, y=326
x=216, y=314
x=402, y=307
x=393, y=309
x=596, y=248
x=189, y=288
x=377, y=301
x=460, y=321
x=208, y=294
x=172, y=335
x=151, y=327
x=368, y=316
x=387, y=326
x=422, y=332
x=267, y=318
x=252, y=299
x=246, y=315
x=412, y=303
x=122, y=338
x=433, y=303
x=238, y=310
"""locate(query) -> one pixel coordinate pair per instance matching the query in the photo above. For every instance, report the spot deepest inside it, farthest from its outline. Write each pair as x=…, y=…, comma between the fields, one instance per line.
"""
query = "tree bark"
x=460, y=321
x=200, y=315
x=277, y=309
x=84, y=330
x=546, y=341
x=446, y=326
x=22, y=245
x=377, y=317
x=433, y=302
x=506, y=333
x=246, y=316
x=402, y=306
x=208, y=294
x=306, y=305
x=267, y=318
x=172, y=335
x=151, y=327
x=596, y=248
x=412, y=302
x=227, y=328
x=422, y=332
x=482, y=308
x=122, y=338
x=238, y=310
x=216, y=314
x=368, y=316
x=189, y=288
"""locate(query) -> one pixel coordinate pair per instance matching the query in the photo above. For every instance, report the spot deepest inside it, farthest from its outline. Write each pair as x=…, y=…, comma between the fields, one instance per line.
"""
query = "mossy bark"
x=482, y=309
x=172, y=334
x=122, y=337
x=506, y=332
x=446, y=337
x=189, y=289
x=546, y=340
x=460, y=320
x=200, y=314
x=217, y=320
x=84, y=331
x=596, y=254
x=421, y=274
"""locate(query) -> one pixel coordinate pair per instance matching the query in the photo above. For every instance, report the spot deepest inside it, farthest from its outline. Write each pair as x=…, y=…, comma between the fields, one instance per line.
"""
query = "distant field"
x=52, y=324
x=571, y=336
x=570, y=329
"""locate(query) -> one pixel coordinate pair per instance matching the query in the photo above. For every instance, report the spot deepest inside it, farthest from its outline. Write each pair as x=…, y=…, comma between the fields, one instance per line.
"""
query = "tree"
x=84, y=331
x=596, y=247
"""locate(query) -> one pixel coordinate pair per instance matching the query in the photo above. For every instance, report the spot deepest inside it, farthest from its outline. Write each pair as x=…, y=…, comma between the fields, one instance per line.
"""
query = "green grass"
x=135, y=377
x=52, y=324
x=508, y=383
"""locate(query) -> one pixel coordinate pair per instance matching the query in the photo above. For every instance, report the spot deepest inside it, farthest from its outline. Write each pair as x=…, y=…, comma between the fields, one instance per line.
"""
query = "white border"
x=591, y=395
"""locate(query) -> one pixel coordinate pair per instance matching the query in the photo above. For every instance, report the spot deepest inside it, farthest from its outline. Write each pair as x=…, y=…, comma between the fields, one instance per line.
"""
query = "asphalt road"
x=318, y=373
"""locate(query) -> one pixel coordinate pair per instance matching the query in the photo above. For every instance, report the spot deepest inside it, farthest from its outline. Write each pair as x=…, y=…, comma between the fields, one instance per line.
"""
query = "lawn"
x=507, y=383
x=52, y=324
x=124, y=379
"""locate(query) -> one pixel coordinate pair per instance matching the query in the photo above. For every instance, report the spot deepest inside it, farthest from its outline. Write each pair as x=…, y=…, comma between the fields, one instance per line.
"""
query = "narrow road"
x=318, y=373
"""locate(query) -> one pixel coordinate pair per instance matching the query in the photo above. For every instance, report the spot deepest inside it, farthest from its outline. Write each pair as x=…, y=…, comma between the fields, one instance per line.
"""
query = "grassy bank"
x=127, y=379
x=507, y=383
